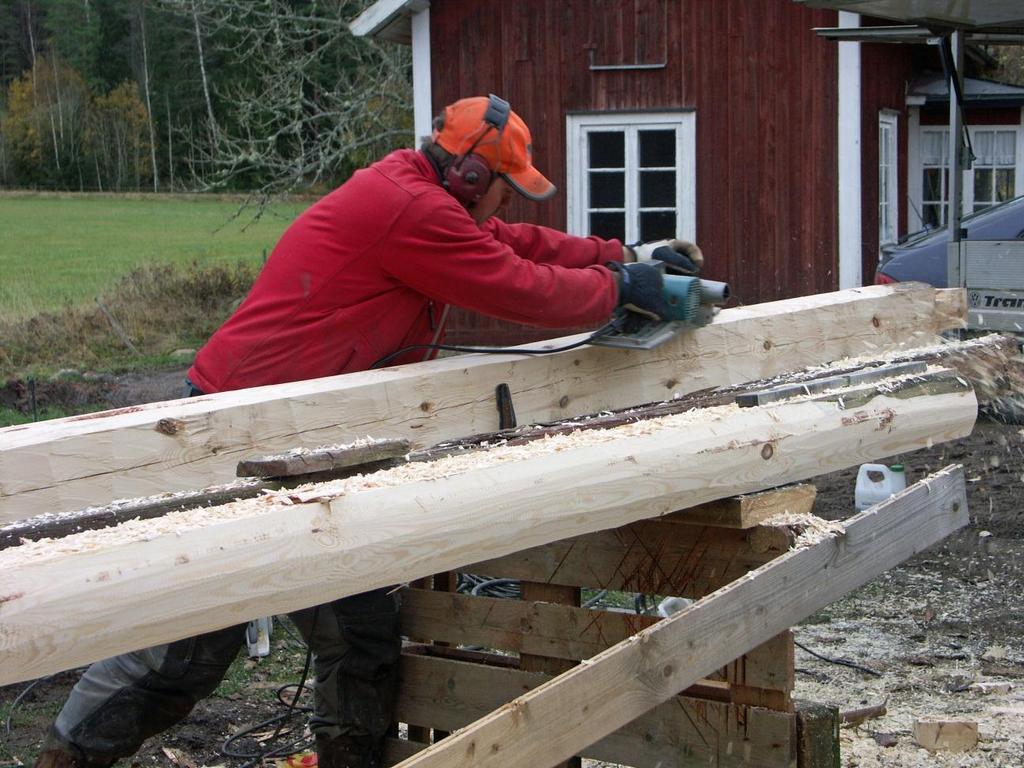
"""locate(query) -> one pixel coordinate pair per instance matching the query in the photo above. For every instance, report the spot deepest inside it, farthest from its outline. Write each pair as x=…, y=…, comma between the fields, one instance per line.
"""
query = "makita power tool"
x=692, y=302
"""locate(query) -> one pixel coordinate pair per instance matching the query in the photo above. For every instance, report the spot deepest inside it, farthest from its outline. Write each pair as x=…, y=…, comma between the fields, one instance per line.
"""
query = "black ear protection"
x=469, y=176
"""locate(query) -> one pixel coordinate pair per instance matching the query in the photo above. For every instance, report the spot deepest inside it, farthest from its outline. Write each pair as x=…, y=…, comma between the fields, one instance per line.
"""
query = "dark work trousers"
x=120, y=702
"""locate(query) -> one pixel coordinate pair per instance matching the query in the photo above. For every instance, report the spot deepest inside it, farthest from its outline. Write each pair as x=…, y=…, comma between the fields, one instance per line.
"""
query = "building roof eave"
x=933, y=91
x=388, y=20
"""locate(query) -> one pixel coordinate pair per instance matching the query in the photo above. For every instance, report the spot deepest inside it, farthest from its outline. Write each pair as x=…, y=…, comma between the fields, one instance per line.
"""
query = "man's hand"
x=680, y=257
x=641, y=289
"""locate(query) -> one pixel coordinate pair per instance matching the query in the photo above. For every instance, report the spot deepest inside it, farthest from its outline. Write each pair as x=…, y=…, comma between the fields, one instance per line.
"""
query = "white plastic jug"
x=877, y=482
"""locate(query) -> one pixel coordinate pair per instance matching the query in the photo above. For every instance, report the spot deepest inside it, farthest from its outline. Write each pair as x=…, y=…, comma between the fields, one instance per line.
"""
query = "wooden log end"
x=943, y=734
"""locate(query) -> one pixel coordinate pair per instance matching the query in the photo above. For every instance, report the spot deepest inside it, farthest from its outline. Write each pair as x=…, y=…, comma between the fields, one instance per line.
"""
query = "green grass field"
x=71, y=248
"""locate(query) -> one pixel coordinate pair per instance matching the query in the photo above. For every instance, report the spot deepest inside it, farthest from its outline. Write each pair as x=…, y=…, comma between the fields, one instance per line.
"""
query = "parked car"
x=922, y=255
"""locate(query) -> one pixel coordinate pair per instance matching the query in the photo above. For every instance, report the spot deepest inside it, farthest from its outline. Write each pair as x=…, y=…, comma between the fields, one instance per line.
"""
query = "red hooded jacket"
x=361, y=274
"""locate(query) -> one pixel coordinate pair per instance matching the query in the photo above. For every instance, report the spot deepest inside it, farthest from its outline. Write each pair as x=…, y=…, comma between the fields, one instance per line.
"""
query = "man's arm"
x=443, y=254
x=543, y=245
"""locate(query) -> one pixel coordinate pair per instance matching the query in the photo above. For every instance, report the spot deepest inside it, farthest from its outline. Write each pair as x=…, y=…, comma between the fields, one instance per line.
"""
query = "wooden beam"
x=532, y=591
x=564, y=716
x=649, y=556
x=80, y=461
x=752, y=509
x=447, y=694
x=563, y=632
x=89, y=596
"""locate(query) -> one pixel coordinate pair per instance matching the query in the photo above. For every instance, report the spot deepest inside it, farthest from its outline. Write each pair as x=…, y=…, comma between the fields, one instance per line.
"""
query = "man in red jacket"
x=361, y=275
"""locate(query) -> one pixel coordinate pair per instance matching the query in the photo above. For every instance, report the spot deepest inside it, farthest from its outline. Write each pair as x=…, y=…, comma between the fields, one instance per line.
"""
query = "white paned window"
x=992, y=178
x=888, y=177
x=995, y=167
x=632, y=177
x=934, y=177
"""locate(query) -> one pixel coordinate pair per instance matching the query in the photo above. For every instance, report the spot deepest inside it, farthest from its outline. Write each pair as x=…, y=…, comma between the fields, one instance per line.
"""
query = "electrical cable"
x=17, y=700
x=258, y=757
x=608, y=327
x=840, y=662
x=483, y=587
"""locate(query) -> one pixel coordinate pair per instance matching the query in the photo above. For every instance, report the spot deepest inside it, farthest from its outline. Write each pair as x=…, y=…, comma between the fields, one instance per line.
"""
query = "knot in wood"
x=767, y=451
x=170, y=426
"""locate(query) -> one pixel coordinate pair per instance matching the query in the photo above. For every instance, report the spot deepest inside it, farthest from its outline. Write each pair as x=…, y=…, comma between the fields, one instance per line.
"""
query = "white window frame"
x=888, y=120
x=969, y=201
x=915, y=166
x=683, y=122
x=943, y=132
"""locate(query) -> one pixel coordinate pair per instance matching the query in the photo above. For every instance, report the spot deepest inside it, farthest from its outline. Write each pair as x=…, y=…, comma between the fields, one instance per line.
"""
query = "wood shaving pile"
x=813, y=529
x=361, y=442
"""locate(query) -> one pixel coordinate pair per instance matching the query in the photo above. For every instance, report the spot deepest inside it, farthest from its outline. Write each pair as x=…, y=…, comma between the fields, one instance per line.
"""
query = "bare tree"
x=194, y=11
x=146, y=92
x=315, y=102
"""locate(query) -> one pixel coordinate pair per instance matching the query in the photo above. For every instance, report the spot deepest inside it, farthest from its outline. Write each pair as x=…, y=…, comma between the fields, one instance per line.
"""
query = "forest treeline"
x=174, y=95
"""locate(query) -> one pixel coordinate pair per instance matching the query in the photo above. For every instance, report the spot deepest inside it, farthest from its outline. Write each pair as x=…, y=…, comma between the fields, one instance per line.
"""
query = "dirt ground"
x=943, y=634
x=945, y=631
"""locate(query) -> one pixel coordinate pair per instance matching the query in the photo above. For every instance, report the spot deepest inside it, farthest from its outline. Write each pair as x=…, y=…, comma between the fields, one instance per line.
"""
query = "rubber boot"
x=347, y=751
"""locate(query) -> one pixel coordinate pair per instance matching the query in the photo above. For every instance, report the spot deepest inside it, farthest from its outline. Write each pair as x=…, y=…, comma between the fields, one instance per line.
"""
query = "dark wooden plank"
x=95, y=518
x=324, y=459
x=817, y=733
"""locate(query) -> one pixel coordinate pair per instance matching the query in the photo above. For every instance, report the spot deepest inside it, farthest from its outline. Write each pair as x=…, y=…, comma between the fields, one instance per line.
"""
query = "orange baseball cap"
x=508, y=152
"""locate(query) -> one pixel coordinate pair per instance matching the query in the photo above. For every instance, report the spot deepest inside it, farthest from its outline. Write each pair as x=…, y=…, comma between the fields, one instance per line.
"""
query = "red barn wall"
x=763, y=86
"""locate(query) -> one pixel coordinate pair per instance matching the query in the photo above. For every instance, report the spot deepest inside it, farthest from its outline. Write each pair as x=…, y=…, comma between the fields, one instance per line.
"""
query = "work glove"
x=680, y=257
x=641, y=289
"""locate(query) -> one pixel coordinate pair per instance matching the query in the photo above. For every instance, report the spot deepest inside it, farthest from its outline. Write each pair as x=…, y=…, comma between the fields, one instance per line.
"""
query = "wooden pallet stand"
x=742, y=715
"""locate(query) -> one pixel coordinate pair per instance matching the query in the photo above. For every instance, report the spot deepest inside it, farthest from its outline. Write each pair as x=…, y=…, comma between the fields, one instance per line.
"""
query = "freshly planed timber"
x=580, y=707
x=92, y=595
x=82, y=461
x=448, y=694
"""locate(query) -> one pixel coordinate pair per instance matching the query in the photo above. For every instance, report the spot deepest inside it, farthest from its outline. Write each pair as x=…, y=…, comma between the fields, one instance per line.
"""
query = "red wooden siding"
x=763, y=86
x=886, y=70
